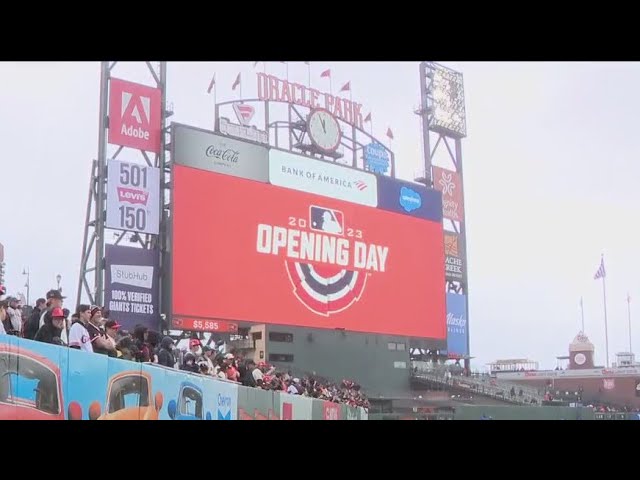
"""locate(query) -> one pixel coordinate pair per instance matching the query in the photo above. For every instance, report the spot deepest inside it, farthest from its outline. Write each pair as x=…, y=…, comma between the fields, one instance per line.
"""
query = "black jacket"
x=48, y=333
x=165, y=355
x=33, y=324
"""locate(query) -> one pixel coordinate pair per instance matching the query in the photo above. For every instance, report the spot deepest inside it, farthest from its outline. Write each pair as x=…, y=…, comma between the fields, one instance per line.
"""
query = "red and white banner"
x=450, y=184
x=135, y=115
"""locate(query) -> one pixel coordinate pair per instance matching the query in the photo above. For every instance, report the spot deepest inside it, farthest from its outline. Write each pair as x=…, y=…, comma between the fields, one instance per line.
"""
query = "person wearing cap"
x=190, y=360
x=54, y=300
x=111, y=328
x=97, y=335
x=15, y=317
x=78, y=334
x=52, y=329
x=207, y=353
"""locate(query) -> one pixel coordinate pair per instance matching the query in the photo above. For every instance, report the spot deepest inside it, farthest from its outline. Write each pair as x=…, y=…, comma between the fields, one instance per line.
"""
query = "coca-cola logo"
x=456, y=321
x=221, y=153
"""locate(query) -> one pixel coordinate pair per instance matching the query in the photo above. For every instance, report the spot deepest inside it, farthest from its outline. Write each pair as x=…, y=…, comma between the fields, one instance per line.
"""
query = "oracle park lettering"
x=273, y=89
x=319, y=248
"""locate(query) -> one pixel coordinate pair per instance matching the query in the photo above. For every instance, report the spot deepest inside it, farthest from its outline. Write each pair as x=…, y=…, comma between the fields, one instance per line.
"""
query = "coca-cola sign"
x=219, y=152
x=204, y=150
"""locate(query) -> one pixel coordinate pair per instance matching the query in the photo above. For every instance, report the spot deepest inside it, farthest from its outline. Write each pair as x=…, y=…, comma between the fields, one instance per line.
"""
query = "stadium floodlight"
x=445, y=100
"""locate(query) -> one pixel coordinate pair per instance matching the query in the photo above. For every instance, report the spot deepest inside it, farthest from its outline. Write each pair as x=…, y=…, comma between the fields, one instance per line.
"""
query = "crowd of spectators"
x=91, y=330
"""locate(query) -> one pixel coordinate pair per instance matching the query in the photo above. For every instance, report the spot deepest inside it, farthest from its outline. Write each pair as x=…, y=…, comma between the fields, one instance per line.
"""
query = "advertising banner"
x=457, y=331
x=273, y=255
x=132, y=285
x=409, y=199
x=135, y=115
x=205, y=150
x=455, y=268
x=133, y=197
x=450, y=184
x=376, y=158
x=322, y=178
x=331, y=411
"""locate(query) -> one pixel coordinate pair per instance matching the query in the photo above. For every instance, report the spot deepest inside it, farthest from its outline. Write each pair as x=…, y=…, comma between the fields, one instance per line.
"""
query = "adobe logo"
x=134, y=115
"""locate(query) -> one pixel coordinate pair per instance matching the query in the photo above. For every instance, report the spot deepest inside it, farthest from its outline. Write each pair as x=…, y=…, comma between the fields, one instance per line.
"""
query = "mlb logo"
x=134, y=115
x=326, y=220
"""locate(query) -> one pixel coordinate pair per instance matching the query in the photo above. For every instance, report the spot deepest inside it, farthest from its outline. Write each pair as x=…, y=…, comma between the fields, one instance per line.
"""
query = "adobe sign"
x=134, y=115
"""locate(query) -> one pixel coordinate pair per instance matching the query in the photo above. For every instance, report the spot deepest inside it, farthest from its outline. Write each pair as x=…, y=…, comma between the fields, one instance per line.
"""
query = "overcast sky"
x=551, y=174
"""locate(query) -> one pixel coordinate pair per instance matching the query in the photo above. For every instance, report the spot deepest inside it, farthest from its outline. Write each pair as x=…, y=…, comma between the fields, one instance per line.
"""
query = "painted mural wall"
x=39, y=381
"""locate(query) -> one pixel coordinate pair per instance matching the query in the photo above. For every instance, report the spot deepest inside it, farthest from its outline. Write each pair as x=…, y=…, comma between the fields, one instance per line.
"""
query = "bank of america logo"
x=360, y=185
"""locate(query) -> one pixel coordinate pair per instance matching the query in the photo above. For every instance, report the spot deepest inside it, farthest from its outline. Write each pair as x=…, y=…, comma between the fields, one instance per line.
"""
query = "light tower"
x=442, y=112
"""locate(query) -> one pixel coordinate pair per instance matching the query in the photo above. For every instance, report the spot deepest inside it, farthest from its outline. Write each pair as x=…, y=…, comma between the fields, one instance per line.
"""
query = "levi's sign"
x=205, y=150
x=133, y=197
x=321, y=178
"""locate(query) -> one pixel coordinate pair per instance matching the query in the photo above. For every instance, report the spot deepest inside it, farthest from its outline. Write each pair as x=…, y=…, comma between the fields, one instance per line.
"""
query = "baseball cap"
x=112, y=324
x=57, y=313
x=95, y=310
x=55, y=294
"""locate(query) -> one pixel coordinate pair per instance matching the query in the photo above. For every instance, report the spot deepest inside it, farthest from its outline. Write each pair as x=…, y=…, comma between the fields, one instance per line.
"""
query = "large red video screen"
x=250, y=251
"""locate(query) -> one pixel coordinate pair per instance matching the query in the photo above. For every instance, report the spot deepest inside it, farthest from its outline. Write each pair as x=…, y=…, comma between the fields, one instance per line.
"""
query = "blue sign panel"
x=376, y=158
x=457, y=331
x=409, y=198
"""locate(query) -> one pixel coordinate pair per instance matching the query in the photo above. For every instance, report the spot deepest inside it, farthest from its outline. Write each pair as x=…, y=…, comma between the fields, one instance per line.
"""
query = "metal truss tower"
x=91, y=278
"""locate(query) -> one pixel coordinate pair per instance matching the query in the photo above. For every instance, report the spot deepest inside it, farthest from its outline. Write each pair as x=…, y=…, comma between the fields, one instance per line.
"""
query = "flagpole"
x=629, y=311
x=606, y=328
x=309, y=71
x=240, y=86
x=582, y=311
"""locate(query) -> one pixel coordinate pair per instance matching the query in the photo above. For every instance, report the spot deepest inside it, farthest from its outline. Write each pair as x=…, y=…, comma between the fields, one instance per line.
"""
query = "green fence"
x=472, y=412
x=256, y=404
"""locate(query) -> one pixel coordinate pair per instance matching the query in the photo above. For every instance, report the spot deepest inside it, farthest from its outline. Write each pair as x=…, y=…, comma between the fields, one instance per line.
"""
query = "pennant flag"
x=213, y=82
x=368, y=117
x=255, y=64
x=236, y=83
x=601, y=272
x=346, y=87
x=389, y=133
x=326, y=74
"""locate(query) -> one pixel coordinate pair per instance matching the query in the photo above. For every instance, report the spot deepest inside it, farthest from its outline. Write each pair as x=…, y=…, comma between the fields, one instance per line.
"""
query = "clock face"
x=324, y=130
x=579, y=359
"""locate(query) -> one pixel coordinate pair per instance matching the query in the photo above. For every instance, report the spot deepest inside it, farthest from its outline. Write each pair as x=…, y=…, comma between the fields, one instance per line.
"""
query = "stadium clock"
x=324, y=130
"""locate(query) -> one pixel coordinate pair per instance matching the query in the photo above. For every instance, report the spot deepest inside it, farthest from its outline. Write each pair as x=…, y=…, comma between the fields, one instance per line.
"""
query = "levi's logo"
x=132, y=195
